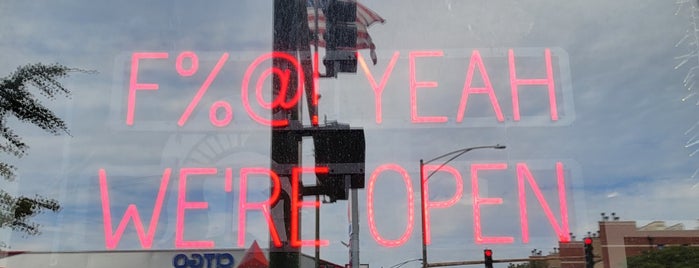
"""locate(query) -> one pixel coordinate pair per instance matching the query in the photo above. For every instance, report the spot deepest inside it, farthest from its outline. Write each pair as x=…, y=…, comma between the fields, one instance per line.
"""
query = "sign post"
x=288, y=16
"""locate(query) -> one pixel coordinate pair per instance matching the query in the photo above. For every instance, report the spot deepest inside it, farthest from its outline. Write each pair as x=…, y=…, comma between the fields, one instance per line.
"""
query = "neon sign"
x=550, y=83
x=523, y=180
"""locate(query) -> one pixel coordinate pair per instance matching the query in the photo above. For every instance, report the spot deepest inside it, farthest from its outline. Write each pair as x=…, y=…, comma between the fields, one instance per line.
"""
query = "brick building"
x=622, y=239
x=618, y=240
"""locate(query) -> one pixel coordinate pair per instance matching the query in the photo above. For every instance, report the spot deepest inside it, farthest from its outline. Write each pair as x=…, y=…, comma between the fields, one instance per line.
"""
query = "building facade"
x=618, y=240
x=254, y=257
x=622, y=239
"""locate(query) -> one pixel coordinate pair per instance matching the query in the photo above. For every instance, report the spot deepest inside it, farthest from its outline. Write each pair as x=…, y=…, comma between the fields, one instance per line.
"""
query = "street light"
x=403, y=263
x=423, y=180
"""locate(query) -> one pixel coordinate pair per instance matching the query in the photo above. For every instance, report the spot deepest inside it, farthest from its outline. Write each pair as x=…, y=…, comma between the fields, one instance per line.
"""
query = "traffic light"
x=342, y=150
x=341, y=37
x=589, y=257
x=488, y=258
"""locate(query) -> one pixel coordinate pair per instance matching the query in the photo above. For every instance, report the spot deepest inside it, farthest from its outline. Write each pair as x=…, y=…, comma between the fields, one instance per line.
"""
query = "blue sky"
x=621, y=135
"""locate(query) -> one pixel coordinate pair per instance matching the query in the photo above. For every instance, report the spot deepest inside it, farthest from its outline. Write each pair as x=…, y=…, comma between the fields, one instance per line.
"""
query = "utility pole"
x=337, y=147
x=354, y=237
x=288, y=18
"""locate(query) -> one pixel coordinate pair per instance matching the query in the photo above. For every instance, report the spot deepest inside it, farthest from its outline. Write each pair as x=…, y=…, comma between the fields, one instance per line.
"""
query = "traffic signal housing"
x=589, y=256
x=488, y=258
x=341, y=37
x=342, y=151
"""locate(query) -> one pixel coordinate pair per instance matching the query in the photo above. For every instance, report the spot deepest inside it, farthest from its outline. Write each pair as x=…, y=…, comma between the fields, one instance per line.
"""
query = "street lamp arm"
x=404, y=263
x=464, y=150
x=456, y=154
x=423, y=179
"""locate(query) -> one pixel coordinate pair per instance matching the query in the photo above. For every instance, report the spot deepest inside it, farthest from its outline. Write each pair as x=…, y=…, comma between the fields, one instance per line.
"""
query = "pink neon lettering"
x=228, y=183
x=548, y=81
x=244, y=205
x=316, y=78
x=316, y=85
x=378, y=89
x=414, y=85
x=487, y=88
x=133, y=81
x=281, y=100
x=478, y=201
x=296, y=205
x=370, y=206
x=284, y=77
x=182, y=205
x=561, y=230
x=192, y=68
x=111, y=239
x=202, y=90
x=458, y=192
x=227, y=116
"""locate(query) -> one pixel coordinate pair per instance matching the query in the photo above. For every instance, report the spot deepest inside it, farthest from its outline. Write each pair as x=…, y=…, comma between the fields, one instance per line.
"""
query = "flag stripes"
x=365, y=18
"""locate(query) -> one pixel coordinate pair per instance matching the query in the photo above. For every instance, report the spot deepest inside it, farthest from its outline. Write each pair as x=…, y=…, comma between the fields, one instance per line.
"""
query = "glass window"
x=193, y=126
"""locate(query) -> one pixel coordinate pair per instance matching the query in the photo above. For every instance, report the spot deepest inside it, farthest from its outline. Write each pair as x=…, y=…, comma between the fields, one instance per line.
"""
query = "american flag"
x=365, y=18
